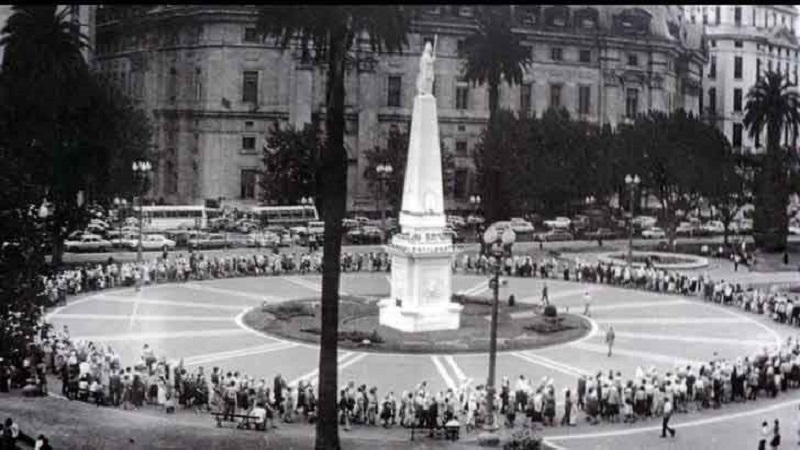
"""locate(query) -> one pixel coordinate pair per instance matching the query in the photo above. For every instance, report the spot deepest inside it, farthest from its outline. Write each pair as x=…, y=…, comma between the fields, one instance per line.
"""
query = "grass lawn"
x=519, y=327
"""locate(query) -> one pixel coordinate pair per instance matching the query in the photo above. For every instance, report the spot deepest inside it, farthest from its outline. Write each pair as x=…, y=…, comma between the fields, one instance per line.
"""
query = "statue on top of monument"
x=425, y=77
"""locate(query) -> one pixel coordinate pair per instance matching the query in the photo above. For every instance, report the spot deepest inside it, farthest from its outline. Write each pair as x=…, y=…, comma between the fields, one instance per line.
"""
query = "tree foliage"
x=291, y=163
x=772, y=104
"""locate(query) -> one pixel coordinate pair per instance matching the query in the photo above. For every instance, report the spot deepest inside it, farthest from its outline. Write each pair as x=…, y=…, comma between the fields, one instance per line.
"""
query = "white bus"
x=285, y=215
x=174, y=217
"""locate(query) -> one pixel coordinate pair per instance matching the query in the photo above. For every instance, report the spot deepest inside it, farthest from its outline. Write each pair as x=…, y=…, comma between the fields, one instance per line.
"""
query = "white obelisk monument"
x=422, y=253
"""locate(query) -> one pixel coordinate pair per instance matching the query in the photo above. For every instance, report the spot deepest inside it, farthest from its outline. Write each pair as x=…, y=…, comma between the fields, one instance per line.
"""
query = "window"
x=737, y=67
x=737, y=135
x=584, y=100
x=712, y=99
x=712, y=69
x=555, y=96
x=394, y=91
x=633, y=60
x=795, y=74
x=248, y=183
x=585, y=56
x=556, y=54
x=462, y=95
x=461, y=148
x=769, y=66
x=460, y=183
x=738, y=44
x=718, y=12
x=460, y=48
x=758, y=69
x=525, y=100
x=737, y=16
x=754, y=17
x=250, y=87
x=248, y=144
x=250, y=34
x=713, y=43
x=737, y=100
x=198, y=83
x=631, y=102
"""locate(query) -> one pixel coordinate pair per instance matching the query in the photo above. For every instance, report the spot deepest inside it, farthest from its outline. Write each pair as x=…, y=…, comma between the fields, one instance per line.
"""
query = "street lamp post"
x=632, y=182
x=120, y=204
x=475, y=201
x=384, y=171
x=497, y=246
x=140, y=171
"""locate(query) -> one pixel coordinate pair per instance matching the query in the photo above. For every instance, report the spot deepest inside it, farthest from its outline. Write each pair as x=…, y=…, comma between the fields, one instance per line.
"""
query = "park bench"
x=245, y=421
x=449, y=431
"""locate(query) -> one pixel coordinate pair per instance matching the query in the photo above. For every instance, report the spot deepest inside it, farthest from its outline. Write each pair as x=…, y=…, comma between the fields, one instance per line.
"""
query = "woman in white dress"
x=161, y=396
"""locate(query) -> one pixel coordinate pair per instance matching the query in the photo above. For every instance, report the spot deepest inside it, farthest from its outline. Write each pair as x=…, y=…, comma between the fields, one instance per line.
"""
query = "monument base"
x=426, y=318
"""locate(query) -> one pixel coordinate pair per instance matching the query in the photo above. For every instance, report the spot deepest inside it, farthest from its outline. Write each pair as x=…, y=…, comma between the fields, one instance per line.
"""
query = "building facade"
x=744, y=41
x=214, y=89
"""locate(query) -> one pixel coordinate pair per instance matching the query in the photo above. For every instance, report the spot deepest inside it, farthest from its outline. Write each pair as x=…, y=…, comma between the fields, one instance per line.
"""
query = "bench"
x=449, y=431
x=246, y=421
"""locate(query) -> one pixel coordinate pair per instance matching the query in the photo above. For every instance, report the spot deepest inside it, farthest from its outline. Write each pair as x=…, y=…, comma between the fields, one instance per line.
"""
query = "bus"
x=162, y=218
x=287, y=216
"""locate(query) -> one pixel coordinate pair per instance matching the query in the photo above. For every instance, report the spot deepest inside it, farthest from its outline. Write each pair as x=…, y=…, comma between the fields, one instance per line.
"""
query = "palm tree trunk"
x=334, y=193
x=493, y=202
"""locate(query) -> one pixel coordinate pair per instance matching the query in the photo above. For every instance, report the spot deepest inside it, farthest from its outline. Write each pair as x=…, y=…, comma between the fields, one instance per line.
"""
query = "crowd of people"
x=93, y=372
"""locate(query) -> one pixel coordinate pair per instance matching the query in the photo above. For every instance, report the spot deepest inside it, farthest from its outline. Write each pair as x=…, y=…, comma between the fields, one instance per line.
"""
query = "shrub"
x=287, y=311
x=550, y=311
x=523, y=440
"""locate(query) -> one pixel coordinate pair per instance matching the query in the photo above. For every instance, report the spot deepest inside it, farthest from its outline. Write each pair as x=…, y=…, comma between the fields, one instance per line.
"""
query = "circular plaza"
x=202, y=323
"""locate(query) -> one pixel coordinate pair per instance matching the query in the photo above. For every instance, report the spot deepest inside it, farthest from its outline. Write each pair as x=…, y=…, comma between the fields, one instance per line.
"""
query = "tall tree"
x=291, y=164
x=772, y=103
x=494, y=53
x=730, y=190
x=674, y=155
x=331, y=32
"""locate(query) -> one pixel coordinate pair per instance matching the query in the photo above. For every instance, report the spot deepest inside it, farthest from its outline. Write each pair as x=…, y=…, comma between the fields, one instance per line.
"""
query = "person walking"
x=587, y=299
x=665, y=421
x=762, y=442
x=610, y=339
x=776, y=436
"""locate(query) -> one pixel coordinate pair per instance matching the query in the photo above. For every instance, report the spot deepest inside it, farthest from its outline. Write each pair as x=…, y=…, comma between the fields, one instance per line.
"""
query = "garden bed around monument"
x=519, y=327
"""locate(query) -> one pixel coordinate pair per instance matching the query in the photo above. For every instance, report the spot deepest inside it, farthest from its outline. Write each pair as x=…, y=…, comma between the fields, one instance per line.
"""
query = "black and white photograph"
x=399, y=226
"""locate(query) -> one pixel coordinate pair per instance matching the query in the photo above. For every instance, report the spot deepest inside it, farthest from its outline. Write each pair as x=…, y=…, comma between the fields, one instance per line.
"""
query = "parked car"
x=354, y=235
x=474, y=219
x=266, y=239
x=286, y=239
x=182, y=237
x=644, y=222
x=87, y=243
x=372, y=234
x=686, y=229
x=122, y=240
x=520, y=225
x=654, y=233
x=795, y=230
x=132, y=222
x=208, y=241
x=556, y=235
x=456, y=221
x=152, y=242
x=559, y=223
x=580, y=222
x=601, y=233
x=501, y=226
x=349, y=223
x=361, y=220
x=277, y=229
x=713, y=227
x=246, y=226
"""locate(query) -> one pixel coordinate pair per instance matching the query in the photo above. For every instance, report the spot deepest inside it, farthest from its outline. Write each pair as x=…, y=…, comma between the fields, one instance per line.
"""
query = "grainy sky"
x=5, y=11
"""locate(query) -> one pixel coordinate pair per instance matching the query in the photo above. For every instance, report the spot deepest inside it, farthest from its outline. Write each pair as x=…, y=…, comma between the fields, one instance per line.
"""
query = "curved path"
x=201, y=323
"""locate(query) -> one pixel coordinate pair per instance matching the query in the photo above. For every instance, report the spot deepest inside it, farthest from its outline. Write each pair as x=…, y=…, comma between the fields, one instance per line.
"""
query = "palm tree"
x=44, y=75
x=772, y=103
x=494, y=53
x=331, y=32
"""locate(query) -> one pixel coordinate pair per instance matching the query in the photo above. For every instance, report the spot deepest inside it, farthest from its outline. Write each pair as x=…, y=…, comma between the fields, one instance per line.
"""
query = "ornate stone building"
x=214, y=89
x=744, y=42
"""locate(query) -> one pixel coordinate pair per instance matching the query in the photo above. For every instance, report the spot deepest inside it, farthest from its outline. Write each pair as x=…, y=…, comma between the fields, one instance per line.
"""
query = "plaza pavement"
x=200, y=322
